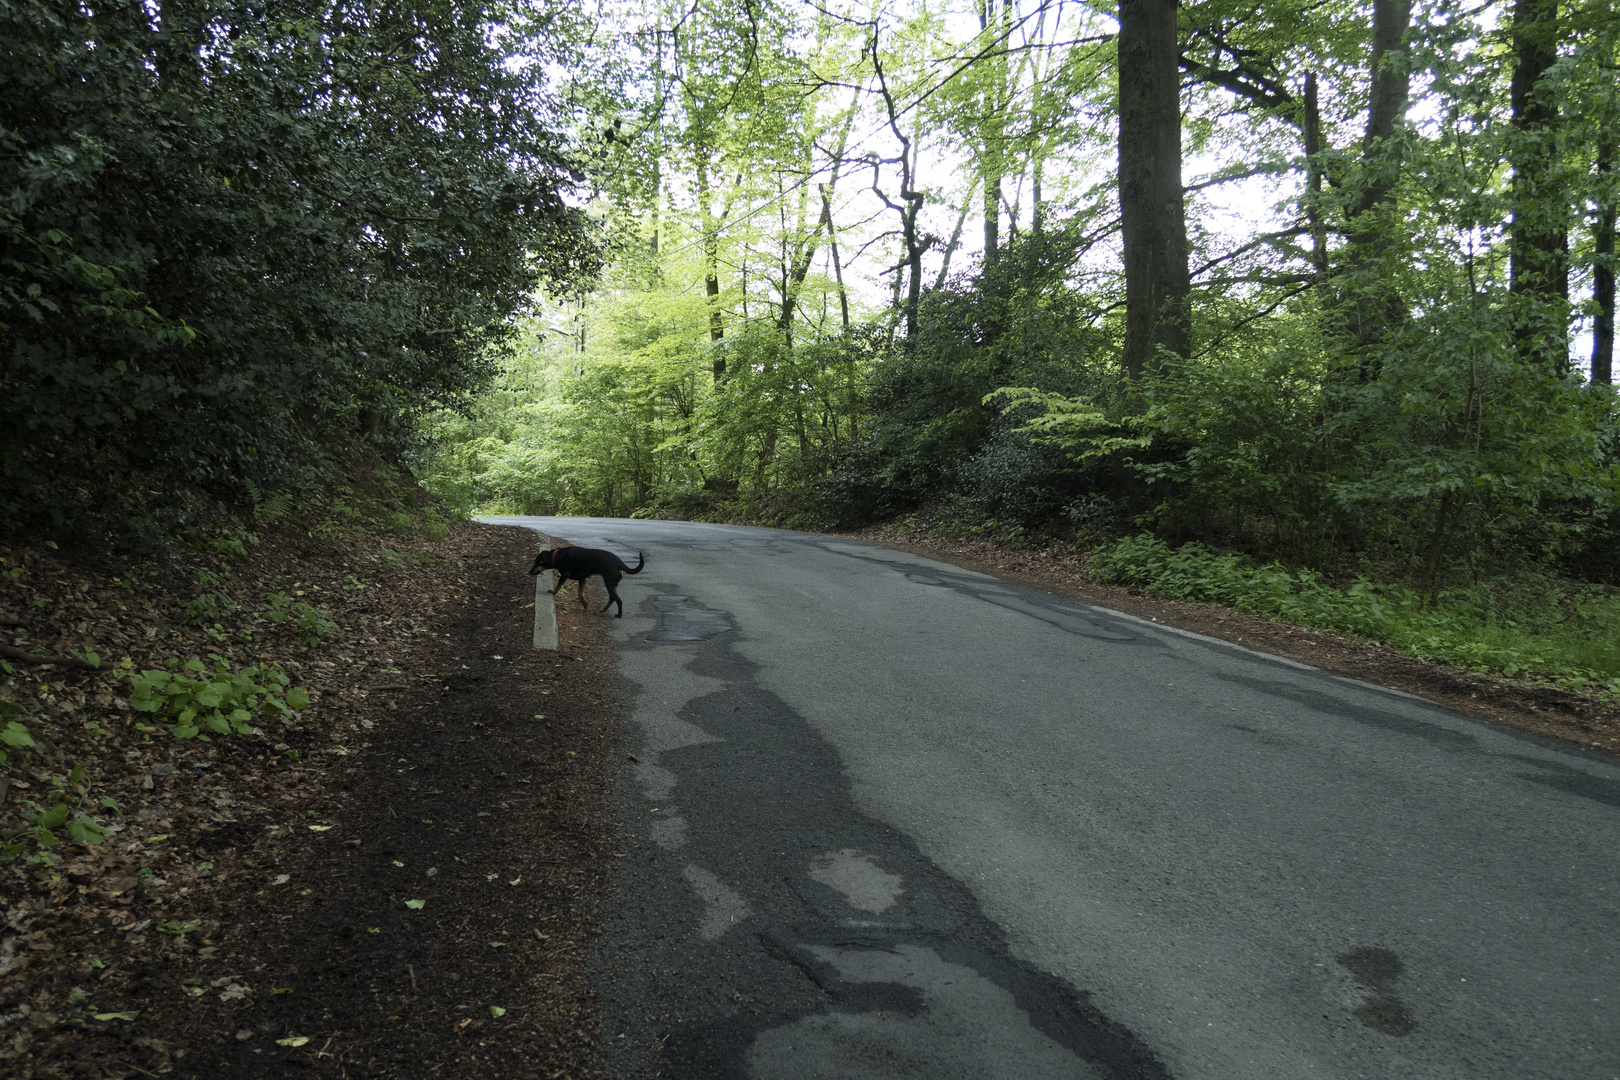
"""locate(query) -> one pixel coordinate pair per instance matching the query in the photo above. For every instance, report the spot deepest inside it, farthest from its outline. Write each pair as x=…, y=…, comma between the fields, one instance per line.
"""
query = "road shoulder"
x=1539, y=710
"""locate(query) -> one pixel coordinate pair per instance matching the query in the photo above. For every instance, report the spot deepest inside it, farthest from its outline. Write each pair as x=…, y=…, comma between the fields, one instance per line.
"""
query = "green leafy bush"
x=220, y=702
x=434, y=528
x=272, y=509
x=178, y=303
x=209, y=607
x=312, y=624
x=14, y=735
x=1537, y=630
x=59, y=811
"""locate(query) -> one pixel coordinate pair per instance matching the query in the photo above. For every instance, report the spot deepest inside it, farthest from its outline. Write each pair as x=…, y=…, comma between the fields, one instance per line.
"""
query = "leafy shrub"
x=428, y=525
x=1012, y=483
x=59, y=810
x=160, y=334
x=434, y=527
x=1577, y=636
x=233, y=542
x=15, y=736
x=209, y=607
x=275, y=507
x=221, y=702
x=312, y=624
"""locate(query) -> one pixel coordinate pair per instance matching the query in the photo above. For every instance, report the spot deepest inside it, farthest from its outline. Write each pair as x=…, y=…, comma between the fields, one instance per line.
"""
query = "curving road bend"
x=891, y=818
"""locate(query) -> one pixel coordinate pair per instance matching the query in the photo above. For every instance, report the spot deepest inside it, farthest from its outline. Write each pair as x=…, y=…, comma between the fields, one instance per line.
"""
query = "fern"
x=276, y=506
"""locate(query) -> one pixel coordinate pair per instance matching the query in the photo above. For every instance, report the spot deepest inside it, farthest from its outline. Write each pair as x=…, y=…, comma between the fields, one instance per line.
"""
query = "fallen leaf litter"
x=205, y=879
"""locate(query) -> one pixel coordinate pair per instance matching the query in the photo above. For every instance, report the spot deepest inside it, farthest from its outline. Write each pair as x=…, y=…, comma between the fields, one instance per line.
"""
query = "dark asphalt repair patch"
x=680, y=618
x=775, y=959
x=1377, y=970
x=1335, y=705
x=1014, y=597
x=1600, y=789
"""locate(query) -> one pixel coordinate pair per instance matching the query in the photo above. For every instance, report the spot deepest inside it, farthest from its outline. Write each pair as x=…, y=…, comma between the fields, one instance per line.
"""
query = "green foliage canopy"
x=229, y=232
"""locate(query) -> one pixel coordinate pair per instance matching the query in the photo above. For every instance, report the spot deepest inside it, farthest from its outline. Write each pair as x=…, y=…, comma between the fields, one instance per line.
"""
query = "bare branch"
x=1262, y=239
x=11, y=652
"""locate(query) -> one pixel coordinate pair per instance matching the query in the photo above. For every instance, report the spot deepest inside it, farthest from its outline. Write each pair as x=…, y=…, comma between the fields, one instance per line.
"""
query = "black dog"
x=579, y=563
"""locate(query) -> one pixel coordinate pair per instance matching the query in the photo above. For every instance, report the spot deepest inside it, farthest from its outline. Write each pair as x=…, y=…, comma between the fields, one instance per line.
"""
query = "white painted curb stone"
x=545, y=606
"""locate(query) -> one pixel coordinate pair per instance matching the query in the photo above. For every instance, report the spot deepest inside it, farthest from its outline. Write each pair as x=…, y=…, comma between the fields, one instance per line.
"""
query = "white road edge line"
x=1273, y=657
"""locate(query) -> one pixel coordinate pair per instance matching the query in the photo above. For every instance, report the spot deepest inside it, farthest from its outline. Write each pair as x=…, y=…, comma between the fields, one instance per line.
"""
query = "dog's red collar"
x=554, y=555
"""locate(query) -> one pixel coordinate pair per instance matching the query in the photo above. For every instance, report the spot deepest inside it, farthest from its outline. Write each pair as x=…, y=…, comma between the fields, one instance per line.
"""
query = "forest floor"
x=406, y=880
x=1539, y=708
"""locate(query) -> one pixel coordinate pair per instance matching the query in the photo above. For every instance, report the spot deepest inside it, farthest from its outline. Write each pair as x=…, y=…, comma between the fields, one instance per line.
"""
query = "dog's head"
x=545, y=561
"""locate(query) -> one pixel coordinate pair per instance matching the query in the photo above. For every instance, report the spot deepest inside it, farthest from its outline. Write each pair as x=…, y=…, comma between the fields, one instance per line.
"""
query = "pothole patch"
x=680, y=618
x=1377, y=970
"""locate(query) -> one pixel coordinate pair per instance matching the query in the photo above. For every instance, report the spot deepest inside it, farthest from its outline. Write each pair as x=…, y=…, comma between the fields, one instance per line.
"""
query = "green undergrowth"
x=194, y=701
x=211, y=627
x=1520, y=629
x=374, y=498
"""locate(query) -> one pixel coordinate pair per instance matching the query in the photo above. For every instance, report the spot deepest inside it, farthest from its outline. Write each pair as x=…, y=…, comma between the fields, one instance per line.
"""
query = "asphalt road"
x=890, y=818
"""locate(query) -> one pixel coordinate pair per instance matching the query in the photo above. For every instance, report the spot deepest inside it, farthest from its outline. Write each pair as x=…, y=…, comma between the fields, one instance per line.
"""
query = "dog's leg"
x=613, y=593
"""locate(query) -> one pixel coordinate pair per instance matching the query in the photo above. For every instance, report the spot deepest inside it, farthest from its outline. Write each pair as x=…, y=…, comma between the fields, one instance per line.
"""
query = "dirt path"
x=479, y=794
x=404, y=884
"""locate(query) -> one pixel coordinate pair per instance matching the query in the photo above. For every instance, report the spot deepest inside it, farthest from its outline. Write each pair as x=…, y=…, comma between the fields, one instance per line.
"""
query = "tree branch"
x=12, y=653
x=1263, y=238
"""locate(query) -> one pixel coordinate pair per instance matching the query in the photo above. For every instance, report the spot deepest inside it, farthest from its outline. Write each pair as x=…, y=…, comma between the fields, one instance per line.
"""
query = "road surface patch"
x=865, y=884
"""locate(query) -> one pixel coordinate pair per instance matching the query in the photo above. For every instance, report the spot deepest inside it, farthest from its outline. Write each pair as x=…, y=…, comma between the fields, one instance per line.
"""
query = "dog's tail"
x=641, y=560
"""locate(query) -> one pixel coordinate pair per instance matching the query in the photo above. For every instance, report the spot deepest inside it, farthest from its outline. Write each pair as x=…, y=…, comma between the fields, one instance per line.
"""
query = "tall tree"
x=1603, y=267
x=1539, y=236
x=1152, y=211
x=996, y=92
x=913, y=241
x=1375, y=305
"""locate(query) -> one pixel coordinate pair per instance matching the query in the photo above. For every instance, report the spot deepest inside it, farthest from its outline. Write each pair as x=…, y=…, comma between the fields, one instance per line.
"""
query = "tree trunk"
x=832, y=244
x=1376, y=307
x=911, y=199
x=992, y=213
x=1387, y=100
x=793, y=281
x=1037, y=223
x=795, y=270
x=916, y=244
x=992, y=133
x=1313, y=181
x=1539, y=240
x=1431, y=563
x=956, y=241
x=826, y=209
x=711, y=264
x=1153, y=215
x=1603, y=269
x=657, y=166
